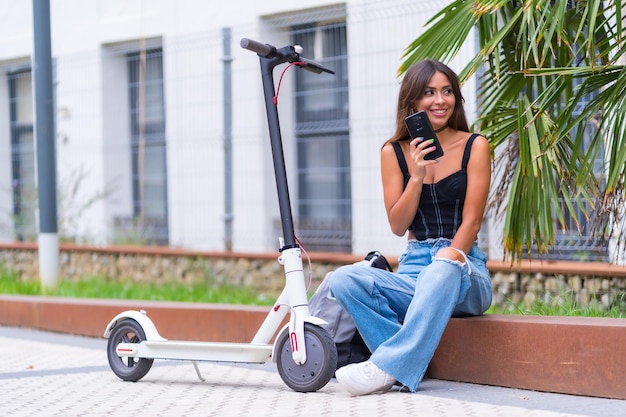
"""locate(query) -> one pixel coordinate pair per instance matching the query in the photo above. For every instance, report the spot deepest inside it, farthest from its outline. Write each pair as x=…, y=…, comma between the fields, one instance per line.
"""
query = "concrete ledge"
x=570, y=355
x=174, y=320
x=581, y=356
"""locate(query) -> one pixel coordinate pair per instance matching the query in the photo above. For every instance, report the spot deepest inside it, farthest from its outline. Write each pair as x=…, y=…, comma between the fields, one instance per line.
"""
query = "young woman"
x=442, y=273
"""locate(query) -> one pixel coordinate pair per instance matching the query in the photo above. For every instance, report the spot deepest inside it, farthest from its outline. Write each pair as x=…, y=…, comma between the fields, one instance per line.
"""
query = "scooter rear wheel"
x=127, y=368
x=321, y=360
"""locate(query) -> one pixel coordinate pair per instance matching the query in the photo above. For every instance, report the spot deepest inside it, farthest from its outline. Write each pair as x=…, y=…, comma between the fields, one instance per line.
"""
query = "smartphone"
x=419, y=127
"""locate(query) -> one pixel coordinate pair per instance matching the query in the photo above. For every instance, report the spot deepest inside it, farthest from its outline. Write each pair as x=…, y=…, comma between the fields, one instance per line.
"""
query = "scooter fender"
x=140, y=317
x=308, y=319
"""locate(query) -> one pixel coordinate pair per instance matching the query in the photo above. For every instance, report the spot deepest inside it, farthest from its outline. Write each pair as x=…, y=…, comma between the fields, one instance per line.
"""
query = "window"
x=577, y=241
x=148, y=145
x=323, y=142
x=23, y=154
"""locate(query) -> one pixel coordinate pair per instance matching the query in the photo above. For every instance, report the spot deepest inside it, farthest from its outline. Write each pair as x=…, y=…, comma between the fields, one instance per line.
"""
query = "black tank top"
x=440, y=209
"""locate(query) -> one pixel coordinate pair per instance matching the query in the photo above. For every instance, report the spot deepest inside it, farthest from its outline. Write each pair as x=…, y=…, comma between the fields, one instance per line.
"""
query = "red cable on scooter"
x=280, y=80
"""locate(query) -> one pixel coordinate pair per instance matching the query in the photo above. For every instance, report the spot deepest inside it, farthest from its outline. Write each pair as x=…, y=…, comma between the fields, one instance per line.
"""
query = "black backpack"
x=350, y=345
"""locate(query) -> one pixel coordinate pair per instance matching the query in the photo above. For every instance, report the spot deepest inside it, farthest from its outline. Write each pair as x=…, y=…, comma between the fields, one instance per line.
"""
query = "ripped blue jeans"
x=402, y=315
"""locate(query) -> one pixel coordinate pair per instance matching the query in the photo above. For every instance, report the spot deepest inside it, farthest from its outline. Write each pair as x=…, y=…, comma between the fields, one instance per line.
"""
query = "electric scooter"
x=304, y=352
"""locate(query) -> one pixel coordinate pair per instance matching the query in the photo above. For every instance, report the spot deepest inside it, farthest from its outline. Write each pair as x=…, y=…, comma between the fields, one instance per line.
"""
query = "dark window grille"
x=577, y=241
x=148, y=146
x=23, y=182
x=324, y=216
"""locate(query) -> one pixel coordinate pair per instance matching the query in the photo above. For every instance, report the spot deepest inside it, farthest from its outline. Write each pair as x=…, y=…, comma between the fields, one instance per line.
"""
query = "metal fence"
x=152, y=149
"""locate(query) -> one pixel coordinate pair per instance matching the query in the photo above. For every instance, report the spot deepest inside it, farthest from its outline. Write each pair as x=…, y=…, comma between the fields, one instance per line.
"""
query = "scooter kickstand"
x=195, y=366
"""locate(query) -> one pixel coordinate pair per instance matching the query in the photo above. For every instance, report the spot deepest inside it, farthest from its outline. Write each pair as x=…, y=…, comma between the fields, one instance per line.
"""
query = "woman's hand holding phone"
x=419, y=127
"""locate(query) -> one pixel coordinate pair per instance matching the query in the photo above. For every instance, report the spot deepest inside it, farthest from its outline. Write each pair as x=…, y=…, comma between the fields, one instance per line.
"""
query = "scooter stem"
x=280, y=56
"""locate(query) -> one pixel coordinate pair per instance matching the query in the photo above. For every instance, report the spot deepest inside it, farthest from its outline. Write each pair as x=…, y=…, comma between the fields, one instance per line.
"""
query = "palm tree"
x=547, y=70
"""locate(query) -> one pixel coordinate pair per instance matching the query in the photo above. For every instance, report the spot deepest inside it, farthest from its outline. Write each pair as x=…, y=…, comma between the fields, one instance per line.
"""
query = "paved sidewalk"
x=49, y=374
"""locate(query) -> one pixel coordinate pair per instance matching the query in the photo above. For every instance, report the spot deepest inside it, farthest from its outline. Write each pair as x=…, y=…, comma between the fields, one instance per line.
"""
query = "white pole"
x=48, y=259
x=46, y=154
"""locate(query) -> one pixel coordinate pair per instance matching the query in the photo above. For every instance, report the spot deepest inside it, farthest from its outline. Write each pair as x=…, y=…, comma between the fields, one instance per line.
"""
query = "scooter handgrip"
x=262, y=49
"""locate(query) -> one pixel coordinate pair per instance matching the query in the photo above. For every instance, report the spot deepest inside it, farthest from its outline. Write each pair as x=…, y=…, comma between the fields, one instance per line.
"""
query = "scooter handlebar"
x=268, y=51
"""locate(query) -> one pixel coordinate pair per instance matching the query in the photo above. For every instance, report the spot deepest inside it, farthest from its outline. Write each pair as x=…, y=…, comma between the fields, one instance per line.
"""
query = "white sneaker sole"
x=340, y=375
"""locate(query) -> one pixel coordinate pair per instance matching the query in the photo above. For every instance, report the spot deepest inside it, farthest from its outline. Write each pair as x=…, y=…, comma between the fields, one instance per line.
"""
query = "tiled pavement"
x=49, y=374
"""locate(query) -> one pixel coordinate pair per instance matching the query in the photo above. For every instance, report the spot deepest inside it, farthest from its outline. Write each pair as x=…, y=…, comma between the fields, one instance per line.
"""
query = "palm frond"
x=552, y=102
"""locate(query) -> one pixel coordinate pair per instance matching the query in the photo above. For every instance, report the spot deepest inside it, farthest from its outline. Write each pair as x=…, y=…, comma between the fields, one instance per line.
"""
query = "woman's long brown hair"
x=412, y=89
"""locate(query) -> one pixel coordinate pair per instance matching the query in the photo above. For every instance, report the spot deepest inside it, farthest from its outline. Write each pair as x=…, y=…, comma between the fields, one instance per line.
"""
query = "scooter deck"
x=197, y=351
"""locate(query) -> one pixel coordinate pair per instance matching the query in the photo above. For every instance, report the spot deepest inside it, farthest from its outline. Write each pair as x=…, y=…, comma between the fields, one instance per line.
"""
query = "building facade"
x=161, y=134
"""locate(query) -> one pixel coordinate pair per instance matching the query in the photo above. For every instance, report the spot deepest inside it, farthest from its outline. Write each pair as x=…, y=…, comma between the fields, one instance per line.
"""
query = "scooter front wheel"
x=127, y=368
x=321, y=360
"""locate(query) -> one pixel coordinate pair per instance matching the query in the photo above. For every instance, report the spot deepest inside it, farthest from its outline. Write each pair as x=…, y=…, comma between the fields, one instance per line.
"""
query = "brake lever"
x=314, y=66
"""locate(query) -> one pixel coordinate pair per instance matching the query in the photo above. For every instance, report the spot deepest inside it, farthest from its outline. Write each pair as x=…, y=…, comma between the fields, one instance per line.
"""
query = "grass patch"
x=98, y=287
x=209, y=292
x=564, y=305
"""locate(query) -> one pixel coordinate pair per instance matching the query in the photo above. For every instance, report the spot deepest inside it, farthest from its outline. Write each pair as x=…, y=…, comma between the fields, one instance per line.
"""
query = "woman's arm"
x=401, y=203
x=478, y=181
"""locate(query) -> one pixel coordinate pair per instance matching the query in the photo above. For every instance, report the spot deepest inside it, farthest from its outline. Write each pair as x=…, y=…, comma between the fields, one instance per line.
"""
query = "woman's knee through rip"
x=450, y=253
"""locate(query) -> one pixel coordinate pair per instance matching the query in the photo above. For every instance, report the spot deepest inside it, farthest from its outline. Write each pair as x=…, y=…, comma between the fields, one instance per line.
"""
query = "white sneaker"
x=363, y=378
